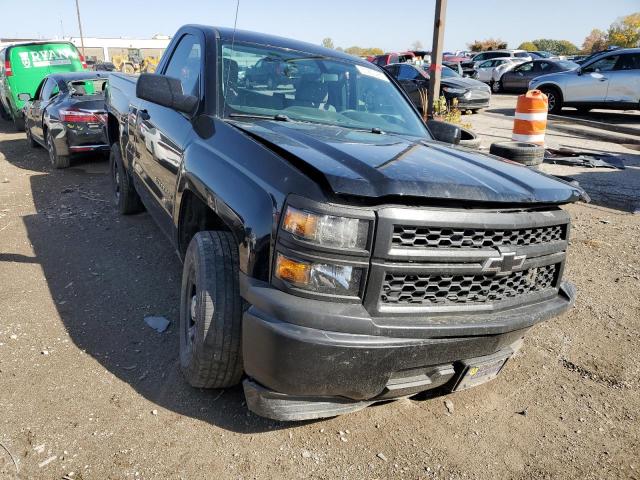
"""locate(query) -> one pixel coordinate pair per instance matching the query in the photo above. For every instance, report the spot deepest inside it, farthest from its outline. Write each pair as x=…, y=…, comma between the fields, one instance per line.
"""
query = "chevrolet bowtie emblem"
x=504, y=264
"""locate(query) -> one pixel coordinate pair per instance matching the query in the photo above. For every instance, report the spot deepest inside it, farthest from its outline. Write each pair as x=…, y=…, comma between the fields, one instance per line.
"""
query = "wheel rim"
x=551, y=99
x=116, y=182
x=193, y=316
x=52, y=151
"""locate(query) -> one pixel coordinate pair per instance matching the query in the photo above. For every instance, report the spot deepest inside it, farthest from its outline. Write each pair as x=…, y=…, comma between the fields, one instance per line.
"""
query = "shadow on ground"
x=106, y=273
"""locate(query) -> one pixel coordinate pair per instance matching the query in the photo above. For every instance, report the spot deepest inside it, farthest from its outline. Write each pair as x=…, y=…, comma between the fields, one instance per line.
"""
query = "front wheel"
x=57, y=161
x=554, y=99
x=496, y=86
x=211, y=312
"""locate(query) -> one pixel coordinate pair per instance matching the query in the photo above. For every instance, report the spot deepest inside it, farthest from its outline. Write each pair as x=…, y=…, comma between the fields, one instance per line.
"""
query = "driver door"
x=591, y=82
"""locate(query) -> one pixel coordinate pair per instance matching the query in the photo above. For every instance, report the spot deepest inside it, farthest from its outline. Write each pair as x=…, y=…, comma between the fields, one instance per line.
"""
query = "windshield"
x=567, y=64
x=267, y=82
x=89, y=86
x=449, y=73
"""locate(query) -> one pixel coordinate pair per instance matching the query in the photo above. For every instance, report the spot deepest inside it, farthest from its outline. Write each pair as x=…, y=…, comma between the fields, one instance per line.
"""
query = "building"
x=106, y=49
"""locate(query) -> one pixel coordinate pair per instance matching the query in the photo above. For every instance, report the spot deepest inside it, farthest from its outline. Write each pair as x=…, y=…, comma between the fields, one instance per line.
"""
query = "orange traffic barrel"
x=531, y=117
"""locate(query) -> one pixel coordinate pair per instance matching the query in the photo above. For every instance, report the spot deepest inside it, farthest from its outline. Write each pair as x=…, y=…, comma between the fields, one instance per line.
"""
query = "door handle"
x=144, y=115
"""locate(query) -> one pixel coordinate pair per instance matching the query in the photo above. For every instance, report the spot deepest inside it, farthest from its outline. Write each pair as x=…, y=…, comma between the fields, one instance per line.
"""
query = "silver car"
x=610, y=80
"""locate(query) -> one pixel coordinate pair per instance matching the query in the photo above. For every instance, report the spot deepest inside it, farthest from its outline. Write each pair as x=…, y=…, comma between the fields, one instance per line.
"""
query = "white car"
x=490, y=71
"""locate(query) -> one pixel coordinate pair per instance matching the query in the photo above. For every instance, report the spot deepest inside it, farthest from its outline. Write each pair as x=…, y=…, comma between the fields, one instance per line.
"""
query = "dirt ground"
x=89, y=391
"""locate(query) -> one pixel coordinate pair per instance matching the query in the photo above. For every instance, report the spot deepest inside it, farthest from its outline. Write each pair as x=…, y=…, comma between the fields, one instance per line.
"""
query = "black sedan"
x=471, y=94
x=66, y=115
x=517, y=80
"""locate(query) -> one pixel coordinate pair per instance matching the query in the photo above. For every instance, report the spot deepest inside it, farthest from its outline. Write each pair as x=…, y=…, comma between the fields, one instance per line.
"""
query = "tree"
x=488, y=44
x=625, y=32
x=596, y=41
x=528, y=46
x=363, y=52
x=327, y=43
x=417, y=45
x=558, y=47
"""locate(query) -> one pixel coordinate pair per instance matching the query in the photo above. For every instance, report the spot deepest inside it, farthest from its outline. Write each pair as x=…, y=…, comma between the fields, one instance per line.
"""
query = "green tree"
x=625, y=32
x=596, y=41
x=327, y=43
x=487, y=44
x=558, y=47
x=528, y=46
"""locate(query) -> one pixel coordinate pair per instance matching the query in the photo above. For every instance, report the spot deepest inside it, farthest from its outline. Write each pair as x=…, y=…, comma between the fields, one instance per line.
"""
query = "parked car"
x=468, y=66
x=486, y=71
x=388, y=58
x=470, y=94
x=66, y=115
x=24, y=65
x=335, y=255
x=269, y=72
x=610, y=80
x=517, y=79
x=455, y=66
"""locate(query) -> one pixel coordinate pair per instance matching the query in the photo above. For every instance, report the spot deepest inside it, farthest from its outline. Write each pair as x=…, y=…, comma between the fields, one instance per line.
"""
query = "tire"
x=496, y=87
x=3, y=113
x=57, y=161
x=30, y=140
x=554, y=98
x=18, y=123
x=125, y=197
x=469, y=139
x=211, y=312
x=529, y=154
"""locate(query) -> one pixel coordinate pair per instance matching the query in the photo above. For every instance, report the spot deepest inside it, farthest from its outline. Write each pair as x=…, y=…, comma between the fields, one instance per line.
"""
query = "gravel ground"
x=89, y=391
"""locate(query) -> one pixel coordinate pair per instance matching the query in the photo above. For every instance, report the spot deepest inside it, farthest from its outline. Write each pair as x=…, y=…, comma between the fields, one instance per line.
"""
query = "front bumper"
x=295, y=357
x=477, y=100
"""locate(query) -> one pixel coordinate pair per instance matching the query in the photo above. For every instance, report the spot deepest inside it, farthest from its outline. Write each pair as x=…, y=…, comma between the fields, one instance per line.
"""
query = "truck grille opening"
x=406, y=236
x=429, y=289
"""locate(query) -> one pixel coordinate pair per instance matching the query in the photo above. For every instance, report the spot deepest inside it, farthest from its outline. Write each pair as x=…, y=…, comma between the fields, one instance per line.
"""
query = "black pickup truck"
x=335, y=254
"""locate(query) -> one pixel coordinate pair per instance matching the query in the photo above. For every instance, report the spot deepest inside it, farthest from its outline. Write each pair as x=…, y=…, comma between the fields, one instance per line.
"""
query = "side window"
x=629, y=61
x=487, y=64
x=524, y=68
x=49, y=90
x=185, y=65
x=522, y=54
x=603, y=65
x=480, y=57
x=545, y=66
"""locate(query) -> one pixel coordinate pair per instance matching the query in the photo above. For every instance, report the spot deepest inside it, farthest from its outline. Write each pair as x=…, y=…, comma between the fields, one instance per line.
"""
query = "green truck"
x=24, y=65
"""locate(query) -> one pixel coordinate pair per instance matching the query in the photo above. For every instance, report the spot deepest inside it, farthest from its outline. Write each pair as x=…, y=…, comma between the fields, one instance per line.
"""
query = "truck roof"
x=244, y=36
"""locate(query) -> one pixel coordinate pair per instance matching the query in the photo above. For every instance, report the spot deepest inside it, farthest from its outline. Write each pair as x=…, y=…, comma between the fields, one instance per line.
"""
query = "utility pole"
x=435, y=70
x=80, y=28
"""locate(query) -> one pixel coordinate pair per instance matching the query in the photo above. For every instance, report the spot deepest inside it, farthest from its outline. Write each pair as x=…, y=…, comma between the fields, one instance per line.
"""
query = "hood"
x=359, y=163
x=464, y=82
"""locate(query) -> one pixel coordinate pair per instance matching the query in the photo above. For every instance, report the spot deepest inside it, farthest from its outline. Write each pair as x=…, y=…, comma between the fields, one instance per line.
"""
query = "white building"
x=104, y=49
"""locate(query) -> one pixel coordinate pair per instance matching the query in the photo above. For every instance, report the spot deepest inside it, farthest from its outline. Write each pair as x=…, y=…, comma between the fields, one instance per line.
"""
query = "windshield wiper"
x=278, y=117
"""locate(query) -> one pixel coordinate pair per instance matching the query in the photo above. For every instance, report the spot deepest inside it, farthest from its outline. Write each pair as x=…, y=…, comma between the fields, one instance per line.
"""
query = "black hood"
x=464, y=82
x=366, y=164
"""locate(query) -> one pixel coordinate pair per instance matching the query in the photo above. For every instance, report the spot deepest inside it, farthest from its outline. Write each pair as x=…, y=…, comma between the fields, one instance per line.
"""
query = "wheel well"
x=550, y=86
x=113, y=129
x=195, y=216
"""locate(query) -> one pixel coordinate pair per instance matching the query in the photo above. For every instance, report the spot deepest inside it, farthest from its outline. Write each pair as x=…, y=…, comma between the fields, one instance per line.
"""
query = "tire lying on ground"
x=469, y=139
x=525, y=153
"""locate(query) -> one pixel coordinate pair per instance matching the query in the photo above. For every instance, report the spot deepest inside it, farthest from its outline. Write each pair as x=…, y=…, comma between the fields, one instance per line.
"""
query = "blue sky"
x=390, y=25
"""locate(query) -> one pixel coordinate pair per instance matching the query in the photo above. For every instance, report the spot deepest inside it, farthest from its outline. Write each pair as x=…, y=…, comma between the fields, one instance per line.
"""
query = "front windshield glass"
x=449, y=73
x=264, y=81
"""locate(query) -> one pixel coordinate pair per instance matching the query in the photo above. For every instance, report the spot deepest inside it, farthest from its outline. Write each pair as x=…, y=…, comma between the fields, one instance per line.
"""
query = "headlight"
x=325, y=278
x=326, y=230
x=454, y=90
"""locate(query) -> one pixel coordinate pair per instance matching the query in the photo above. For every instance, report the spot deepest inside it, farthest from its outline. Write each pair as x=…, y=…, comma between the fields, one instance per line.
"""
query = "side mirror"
x=444, y=132
x=165, y=91
x=25, y=97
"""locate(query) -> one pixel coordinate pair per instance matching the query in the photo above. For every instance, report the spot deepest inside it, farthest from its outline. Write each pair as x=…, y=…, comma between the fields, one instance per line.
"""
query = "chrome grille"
x=405, y=236
x=431, y=290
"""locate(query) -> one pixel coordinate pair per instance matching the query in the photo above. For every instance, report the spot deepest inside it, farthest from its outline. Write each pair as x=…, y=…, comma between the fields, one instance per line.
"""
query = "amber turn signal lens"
x=300, y=223
x=292, y=271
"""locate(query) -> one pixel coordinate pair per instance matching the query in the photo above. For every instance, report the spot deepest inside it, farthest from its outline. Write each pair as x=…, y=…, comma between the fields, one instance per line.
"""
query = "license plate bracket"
x=477, y=371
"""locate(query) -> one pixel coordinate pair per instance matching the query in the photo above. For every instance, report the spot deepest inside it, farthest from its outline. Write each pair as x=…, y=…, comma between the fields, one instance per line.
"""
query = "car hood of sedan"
x=364, y=164
x=467, y=83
